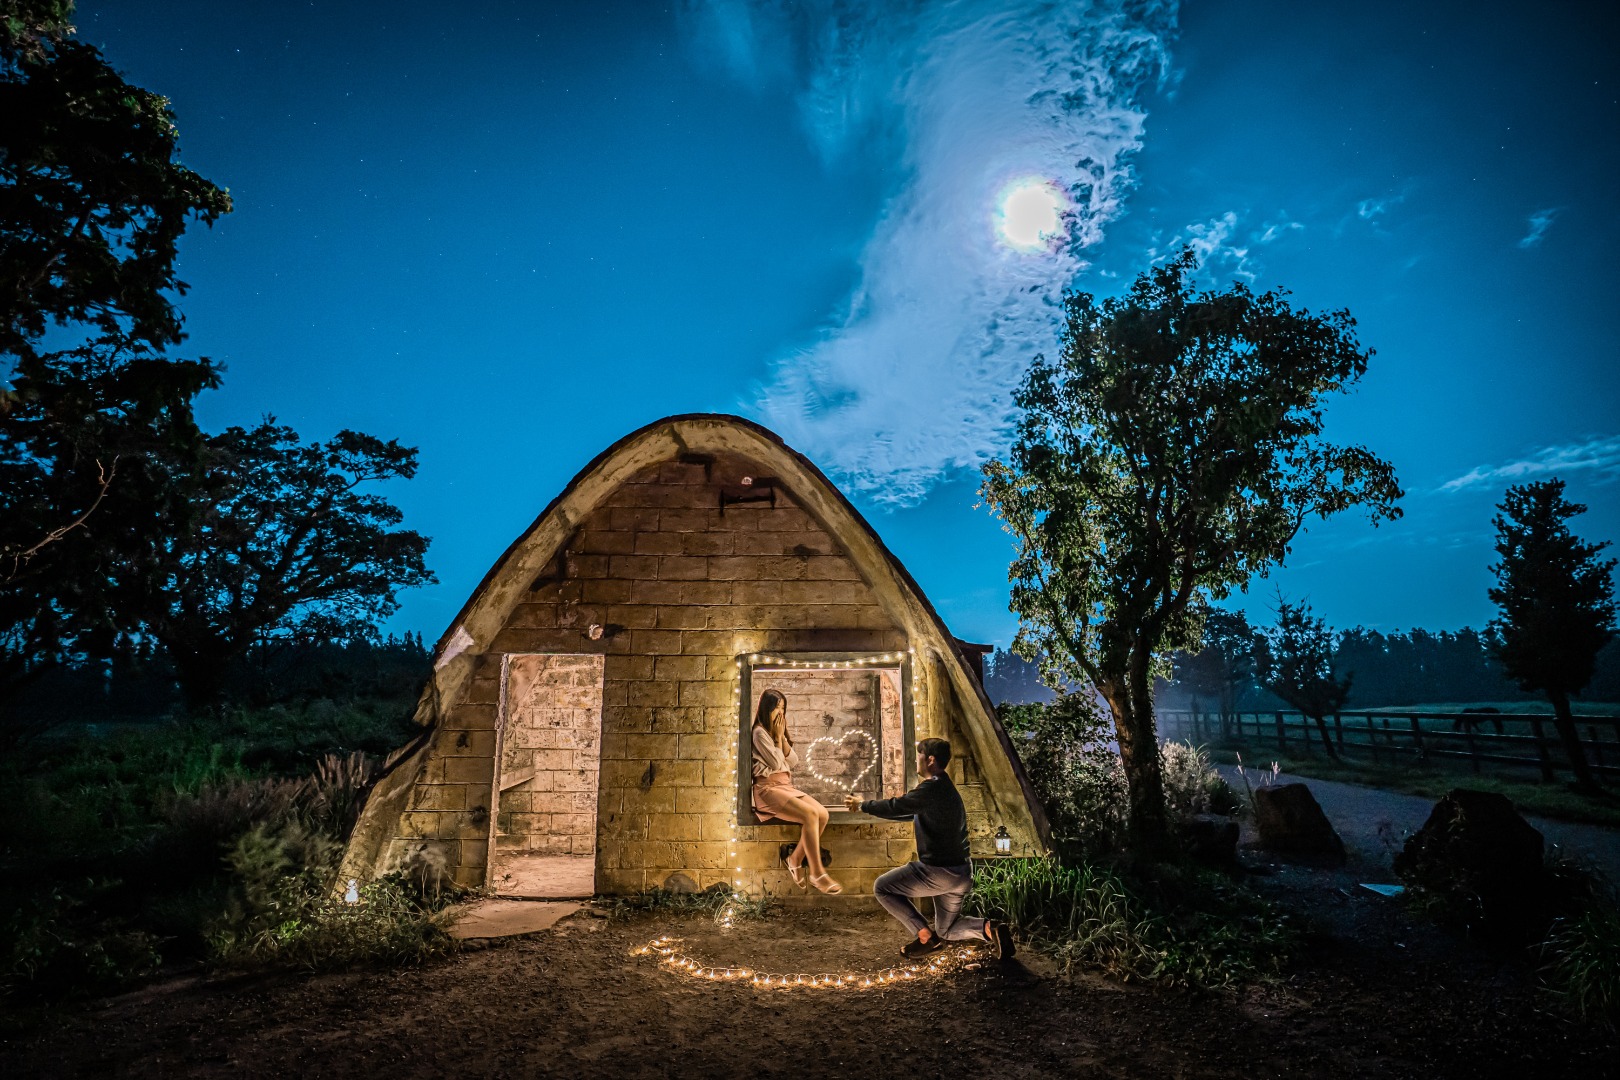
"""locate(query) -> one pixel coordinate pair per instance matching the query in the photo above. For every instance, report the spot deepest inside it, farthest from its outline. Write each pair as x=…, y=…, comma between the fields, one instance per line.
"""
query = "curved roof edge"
x=964, y=681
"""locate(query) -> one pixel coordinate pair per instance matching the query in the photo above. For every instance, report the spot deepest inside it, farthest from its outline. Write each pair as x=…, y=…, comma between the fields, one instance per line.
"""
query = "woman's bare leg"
x=812, y=817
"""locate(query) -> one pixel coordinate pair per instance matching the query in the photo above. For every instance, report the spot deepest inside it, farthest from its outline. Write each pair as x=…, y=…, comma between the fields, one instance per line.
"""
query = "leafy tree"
x=1172, y=451
x=1221, y=670
x=92, y=204
x=78, y=492
x=1557, y=602
x=92, y=200
x=278, y=542
x=1295, y=662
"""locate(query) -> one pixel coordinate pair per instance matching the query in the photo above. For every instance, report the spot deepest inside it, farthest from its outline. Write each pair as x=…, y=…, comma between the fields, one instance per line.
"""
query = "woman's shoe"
x=832, y=888
x=794, y=872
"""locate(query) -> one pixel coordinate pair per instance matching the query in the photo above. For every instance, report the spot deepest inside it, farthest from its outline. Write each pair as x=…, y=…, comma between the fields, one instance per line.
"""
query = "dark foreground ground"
x=1377, y=994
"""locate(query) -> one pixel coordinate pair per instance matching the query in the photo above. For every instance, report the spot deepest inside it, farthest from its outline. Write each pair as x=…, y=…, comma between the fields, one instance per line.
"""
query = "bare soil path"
x=1377, y=994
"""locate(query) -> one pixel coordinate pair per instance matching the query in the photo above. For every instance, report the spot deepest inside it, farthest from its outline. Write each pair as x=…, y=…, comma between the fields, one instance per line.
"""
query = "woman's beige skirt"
x=773, y=793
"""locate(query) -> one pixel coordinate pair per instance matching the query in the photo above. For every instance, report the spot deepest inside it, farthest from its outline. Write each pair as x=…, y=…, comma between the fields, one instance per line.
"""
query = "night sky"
x=511, y=234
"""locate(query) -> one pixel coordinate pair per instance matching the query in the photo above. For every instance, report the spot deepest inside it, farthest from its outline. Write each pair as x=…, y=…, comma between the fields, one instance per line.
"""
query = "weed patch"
x=717, y=902
x=1179, y=928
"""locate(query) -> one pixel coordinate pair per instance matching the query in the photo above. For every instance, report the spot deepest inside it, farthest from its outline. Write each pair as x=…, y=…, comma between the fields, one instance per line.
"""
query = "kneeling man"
x=943, y=869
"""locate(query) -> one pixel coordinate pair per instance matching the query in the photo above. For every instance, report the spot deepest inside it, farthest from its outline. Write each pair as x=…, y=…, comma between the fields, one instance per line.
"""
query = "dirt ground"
x=1377, y=994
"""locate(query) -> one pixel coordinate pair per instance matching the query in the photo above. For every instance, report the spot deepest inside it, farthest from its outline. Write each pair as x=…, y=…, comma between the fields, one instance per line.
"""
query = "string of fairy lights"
x=834, y=742
x=668, y=952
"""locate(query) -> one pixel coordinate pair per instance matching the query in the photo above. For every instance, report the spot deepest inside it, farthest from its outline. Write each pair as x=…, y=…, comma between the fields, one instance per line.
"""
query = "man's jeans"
x=948, y=885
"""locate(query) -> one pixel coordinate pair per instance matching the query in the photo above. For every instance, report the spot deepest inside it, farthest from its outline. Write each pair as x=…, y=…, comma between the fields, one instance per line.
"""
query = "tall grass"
x=206, y=839
x=1187, y=929
x=1582, y=954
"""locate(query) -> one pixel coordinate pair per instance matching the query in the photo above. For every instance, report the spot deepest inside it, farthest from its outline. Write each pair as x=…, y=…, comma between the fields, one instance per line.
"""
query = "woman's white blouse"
x=768, y=756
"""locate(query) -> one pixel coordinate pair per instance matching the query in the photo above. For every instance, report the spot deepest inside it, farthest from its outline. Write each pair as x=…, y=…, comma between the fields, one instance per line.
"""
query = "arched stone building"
x=589, y=708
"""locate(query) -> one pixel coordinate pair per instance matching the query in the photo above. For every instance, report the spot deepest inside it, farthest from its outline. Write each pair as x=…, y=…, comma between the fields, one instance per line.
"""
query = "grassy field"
x=1520, y=708
x=1430, y=780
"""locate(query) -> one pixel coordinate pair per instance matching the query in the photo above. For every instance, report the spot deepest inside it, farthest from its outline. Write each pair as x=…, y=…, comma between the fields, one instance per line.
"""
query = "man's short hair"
x=938, y=749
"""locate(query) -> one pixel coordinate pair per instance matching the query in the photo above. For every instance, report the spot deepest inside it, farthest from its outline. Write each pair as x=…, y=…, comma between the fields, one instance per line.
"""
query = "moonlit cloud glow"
x=959, y=286
x=1030, y=217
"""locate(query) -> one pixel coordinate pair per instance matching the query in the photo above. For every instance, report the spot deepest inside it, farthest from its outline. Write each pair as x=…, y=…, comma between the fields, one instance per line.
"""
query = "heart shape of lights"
x=838, y=743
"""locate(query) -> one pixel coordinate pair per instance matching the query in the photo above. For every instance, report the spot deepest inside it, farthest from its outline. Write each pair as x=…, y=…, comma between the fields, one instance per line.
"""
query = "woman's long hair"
x=765, y=717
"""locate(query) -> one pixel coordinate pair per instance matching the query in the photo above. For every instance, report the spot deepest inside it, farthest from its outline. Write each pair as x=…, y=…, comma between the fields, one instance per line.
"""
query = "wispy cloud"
x=913, y=378
x=1373, y=209
x=1600, y=455
x=1540, y=222
x=1223, y=245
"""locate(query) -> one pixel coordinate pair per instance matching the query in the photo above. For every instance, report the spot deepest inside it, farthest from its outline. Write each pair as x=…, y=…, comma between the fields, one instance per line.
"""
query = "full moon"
x=1031, y=214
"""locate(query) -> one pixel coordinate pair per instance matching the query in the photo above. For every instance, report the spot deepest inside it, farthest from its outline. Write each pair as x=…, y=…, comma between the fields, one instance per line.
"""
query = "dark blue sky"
x=511, y=236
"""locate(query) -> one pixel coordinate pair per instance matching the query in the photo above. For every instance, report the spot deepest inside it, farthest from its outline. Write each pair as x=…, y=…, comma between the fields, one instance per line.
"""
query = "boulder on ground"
x=1292, y=823
x=1213, y=839
x=1477, y=852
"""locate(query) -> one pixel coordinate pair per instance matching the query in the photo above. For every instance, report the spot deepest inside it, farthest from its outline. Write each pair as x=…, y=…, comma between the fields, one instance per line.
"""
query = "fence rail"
x=1393, y=738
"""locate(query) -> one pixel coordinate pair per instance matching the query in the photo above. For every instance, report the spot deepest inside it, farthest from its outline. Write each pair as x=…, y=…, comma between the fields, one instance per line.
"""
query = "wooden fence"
x=1401, y=738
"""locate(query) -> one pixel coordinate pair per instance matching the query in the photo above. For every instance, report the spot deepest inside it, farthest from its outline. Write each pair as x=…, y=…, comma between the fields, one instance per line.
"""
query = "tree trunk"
x=1327, y=739
x=1585, y=780
x=1147, y=828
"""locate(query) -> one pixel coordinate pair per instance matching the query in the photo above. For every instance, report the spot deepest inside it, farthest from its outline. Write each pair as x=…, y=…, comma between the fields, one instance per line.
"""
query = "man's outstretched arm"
x=899, y=808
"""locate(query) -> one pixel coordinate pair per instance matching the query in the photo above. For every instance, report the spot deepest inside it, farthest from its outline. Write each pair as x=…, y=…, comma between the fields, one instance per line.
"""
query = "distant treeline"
x=1411, y=668
x=138, y=683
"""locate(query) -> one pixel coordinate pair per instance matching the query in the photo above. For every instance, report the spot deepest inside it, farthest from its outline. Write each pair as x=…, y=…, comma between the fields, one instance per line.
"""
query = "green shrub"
x=1187, y=928
x=1064, y=747
x=57, y=945
x=1066, y=750
x=299, y=920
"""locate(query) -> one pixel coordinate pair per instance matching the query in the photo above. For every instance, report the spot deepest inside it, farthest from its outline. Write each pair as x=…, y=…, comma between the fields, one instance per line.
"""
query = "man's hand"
x=852, y=803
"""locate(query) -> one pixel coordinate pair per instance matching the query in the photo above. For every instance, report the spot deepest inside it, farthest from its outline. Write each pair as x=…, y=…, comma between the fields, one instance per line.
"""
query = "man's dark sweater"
x=937, y=817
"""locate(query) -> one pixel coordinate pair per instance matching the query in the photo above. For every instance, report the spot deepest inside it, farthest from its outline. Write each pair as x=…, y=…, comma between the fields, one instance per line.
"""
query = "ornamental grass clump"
x=1180, y=928
x=1582, y=955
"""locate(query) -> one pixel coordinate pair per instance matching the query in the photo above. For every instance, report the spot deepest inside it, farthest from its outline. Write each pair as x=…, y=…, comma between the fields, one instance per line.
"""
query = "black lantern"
x=1003, y=841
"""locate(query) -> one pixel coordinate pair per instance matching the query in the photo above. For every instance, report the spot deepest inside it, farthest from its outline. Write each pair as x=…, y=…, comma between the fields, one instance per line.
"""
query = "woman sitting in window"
x=775, y=796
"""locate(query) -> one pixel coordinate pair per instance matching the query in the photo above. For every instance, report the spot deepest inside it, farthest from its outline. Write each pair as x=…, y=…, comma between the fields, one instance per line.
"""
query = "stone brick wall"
x=832, y=717
x=681, y=587
x=550, y=755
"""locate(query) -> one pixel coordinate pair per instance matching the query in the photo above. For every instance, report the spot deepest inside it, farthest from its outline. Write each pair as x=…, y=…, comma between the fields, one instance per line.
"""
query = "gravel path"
x=1357, y=813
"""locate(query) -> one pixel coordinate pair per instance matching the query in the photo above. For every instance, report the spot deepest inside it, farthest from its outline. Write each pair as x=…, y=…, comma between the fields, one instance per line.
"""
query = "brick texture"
x=680, y=587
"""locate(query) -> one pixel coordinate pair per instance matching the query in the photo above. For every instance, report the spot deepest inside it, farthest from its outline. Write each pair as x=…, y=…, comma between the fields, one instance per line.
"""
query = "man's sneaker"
x=1001, y=937
x=916, y=949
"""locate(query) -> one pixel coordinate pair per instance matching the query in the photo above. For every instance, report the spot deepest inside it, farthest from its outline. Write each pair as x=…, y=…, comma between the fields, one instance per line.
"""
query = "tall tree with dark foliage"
x=280, y=539
x=1556, y=596
x=1295, y=662
x=92, y=205
x=1171, y=452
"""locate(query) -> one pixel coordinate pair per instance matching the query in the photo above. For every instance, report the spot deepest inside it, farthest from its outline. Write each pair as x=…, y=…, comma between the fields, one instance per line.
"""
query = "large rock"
x=1291, y=823
x=1478, y=853
x=1212, y=839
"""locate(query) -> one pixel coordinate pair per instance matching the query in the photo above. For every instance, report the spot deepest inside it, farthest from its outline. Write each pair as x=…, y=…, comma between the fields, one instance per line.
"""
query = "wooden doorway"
x=547, y=769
